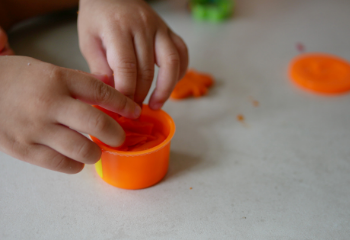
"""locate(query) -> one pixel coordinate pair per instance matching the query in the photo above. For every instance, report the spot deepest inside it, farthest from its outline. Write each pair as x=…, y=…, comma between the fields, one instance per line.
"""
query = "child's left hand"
x=126, y=38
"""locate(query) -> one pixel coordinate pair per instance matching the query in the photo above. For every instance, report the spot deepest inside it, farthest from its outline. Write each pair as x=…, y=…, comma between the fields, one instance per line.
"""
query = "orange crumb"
x=240, y=118
x=254, y=102
x=190, y=188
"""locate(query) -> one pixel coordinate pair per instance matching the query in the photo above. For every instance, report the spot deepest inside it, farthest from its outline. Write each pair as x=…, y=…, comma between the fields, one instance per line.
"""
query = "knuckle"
x=83, y=150
x=58, y=162
x=44, y=101
x=20, y=149
x=102, y=92
x=147, y=75
x=116, y=16
x=146, y=18
x=55, y=73
x=98, y=122
x=126, y=66
x=173, y=59
x=47, y=99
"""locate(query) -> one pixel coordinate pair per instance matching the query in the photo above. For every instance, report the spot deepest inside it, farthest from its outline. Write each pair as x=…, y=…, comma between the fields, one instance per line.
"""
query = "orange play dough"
x=139, y=135
x=321, y=73
x=192, y=84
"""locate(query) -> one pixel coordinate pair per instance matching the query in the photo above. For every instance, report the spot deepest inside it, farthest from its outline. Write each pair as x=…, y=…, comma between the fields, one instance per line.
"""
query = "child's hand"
x=126, y=37
x=42, y=107
x=4, y=45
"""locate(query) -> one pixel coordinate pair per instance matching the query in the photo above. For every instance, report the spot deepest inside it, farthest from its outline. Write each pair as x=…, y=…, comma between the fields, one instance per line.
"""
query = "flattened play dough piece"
x=321, y=73
x=193, y=84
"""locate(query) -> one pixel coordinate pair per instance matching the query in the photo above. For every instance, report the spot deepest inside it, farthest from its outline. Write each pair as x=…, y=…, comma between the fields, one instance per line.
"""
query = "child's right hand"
x=42, y=107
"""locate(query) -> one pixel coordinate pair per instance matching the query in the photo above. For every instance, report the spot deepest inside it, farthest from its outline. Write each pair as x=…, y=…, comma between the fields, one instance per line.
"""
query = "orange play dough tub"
x=138, y=169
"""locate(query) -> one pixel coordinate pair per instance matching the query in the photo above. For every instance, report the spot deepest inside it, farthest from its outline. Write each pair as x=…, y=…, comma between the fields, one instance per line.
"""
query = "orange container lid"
x=321, y=73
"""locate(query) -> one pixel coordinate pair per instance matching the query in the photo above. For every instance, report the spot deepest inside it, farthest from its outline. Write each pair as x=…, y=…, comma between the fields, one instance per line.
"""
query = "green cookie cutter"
x=212, y=10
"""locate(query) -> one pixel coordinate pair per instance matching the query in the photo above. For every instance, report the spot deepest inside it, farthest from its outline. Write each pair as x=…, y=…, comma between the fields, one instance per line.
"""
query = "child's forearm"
x=13, y=11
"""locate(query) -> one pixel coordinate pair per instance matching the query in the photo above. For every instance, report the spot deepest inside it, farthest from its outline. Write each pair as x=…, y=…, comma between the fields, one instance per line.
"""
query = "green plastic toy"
x=212, y=10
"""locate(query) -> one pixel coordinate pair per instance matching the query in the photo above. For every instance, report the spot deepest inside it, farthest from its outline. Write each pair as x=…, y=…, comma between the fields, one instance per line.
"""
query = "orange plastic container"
x=138, y=169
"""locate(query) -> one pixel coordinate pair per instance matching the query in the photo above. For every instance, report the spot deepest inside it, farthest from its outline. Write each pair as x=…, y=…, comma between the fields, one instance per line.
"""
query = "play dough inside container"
x=138, y=169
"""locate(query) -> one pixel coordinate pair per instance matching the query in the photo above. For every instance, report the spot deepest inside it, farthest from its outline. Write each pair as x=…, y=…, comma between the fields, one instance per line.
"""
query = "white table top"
x=284, y=175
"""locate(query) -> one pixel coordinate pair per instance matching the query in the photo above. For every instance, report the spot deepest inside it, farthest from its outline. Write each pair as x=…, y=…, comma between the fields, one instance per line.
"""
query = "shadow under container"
x=138, y=169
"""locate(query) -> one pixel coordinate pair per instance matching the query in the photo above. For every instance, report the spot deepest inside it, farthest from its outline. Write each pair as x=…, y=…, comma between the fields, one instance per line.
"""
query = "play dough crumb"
x=254, y=102
x=321, y=73
x=193, y=84
x=240, y=118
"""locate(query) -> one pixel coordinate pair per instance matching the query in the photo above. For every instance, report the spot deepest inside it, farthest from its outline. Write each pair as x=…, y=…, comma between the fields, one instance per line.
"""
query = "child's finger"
x=90, y=90
x=109, y=80
x=168, y=60
x=7, y=51
x=4, y=45
x=95, y=55
x=46, y=157
x=71, y=144
x=121, y=58
x=183, y=53
x=145, y=67
x=3, y=39
x=87, y=119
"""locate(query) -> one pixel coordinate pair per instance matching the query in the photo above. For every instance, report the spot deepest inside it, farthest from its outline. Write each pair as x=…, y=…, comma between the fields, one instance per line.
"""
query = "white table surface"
x=284, y=175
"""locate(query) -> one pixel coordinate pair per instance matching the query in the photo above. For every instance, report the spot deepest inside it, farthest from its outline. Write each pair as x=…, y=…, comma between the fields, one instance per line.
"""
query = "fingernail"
x=137, y=111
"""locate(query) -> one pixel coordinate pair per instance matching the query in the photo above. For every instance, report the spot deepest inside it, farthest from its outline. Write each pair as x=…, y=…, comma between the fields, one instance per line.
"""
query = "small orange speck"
x=77, y=12
x=240, y=118
x=190, y=188
x=254, y=102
